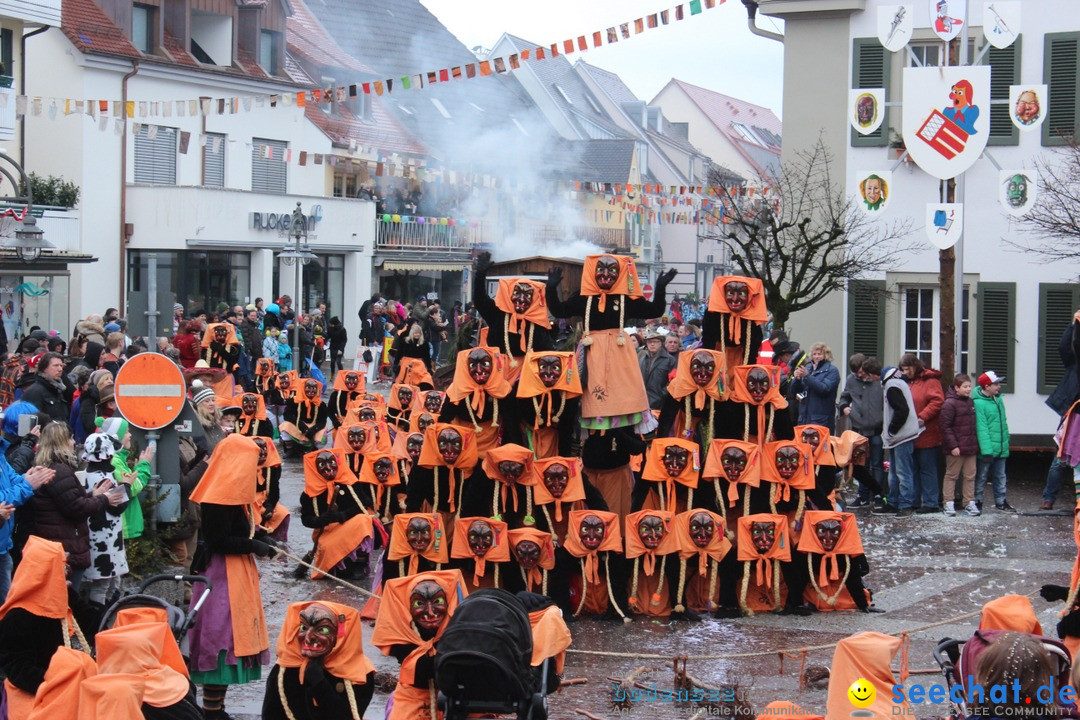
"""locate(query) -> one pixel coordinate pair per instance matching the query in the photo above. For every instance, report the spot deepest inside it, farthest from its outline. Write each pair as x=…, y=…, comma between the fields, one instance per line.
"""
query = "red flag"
x=554, y=50
x=301, y=99
x=596, y=39
x=366, y=87
x=540, y=53
x=567, y=46
x=485, y=68
x=582, y=43
x=444, y=75
x=470, y=70
x=525, y=55
x=651, y=20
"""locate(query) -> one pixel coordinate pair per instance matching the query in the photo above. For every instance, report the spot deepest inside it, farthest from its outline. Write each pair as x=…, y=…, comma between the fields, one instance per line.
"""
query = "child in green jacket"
x=136, y=478
x=992, y=429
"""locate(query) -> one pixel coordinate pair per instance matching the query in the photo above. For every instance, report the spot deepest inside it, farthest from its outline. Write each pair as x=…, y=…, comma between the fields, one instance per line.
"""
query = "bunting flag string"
x=34, y=105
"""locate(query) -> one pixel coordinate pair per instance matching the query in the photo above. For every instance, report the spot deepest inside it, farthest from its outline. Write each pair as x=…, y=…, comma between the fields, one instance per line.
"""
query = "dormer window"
x=268, y=51
x=211, y=38
x=142, y=28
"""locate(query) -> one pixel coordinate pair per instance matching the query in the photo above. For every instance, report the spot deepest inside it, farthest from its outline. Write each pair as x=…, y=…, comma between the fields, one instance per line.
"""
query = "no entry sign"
x=646, y=292
x=150, y=391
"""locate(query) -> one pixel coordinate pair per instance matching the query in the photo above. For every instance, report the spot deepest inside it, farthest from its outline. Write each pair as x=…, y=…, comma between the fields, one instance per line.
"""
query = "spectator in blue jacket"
x=817, y=385
x=15, y=490
x=18, y=450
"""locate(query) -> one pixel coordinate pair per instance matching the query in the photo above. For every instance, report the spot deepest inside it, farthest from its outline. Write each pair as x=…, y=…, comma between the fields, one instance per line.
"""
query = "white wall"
x=703, y=134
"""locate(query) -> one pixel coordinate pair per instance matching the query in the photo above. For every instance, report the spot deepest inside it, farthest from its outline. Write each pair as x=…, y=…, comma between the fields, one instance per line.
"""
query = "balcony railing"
x=429, y=236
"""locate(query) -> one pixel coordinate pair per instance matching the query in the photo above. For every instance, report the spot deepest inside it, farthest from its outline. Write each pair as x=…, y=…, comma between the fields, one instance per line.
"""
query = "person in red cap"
x=992, y=429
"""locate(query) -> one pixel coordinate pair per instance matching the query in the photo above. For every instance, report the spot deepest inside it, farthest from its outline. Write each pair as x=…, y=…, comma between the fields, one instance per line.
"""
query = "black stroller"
x=179, y=621
x=483, y=661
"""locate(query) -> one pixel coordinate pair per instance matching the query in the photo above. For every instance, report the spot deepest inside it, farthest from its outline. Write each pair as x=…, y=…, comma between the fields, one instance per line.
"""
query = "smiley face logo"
x=861, y=693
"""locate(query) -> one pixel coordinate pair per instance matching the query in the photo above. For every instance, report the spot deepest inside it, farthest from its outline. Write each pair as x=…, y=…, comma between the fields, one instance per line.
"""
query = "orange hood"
x=346, y=661
x=413, y=371
x=655, y=470
x=867, y=655
x=755, y=309
x=780, y=549
x=843, y=447
x=823, y=455
x=683, y=385
x=57, y=697
x=230, y=338
x=575, y=487
x=803, y=479
x=569, y=379
x=230, y=477
x=371, y=443
x=417, y=416
x=536, y=313
x=1010, y=612
x=400, y=549
x=116, y=697
x=300, y=398
x=465, y=387
x=421, y=397
x=293, y=379
x=38, y=585
x=367, y=474
x=137, y=650
x=399, y=449
x=500, y=546
x=714, y=466
x=260, y=405
x=508, y=453
x=612, y=541
x=625, y=284
x=635, y=548
x=339, y=381
x=430, y=457
x=273, y=458
x=316, y=485
x=739, y=393
x=850, y=543
x=394, y=402
x=546, y=544
x=264, y=367
x=718, y=546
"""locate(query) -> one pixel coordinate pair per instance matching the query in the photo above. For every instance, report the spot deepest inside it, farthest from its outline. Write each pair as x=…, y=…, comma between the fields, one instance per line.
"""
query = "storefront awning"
x=416, y=266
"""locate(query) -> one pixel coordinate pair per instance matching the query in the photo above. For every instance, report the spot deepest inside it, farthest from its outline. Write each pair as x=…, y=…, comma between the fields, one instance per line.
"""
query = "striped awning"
x=401, y=265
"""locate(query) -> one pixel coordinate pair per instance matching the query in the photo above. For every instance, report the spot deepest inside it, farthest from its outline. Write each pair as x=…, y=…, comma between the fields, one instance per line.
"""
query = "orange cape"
x=413, y=371
x=867, y=655
x=300, y=398
x=503, y=453
x=57, y=697
x=230, y=338
x=38, y=585
x=1010, y=612
x=850, y=543
x=783, y=710
x=625, y=284
x=139, y=650
x=718, y=546
x=465, y=387
x=843, y=447
x=337, y=540
x=635, y=548
x=346, y=661
x=682, y=385
x=421, y=397
x=550, y=636
x=612, y=540
x=824, y=453
x=500, y=546
x=803, y=479
x=400, y=549
x=394, y=625
x=316, y=485
x=536, y=313
x=544, y=541
x=116, y=697
x=230, y=477
x=530, y=386
x=367, y=475
x=755, y=309
x=465, y=463
x=714, y=467
x=264, y=367
x=394, y=403
x=575, y=487
x=780, y=550
x=339, y=382
x=656, y=472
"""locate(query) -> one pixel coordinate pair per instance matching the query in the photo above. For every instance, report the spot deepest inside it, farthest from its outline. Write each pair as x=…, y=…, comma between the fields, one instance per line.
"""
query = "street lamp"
x=297, y=254
x=29, y=239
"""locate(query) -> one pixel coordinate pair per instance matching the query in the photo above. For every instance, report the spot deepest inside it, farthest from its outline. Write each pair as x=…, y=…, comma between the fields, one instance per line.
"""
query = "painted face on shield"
x=811, y=437
x=702, y=367
x=221, y=334
x=249, y=403
x=549, y=368
x=734, y=461
x=413, y=445
x=1017, y=191
x=675, y=460
x=450, y=443
x=404, y=396
x=651, y=531
x=859, y=455
x=351, y=381
x=736, y=295
x=481, y=537
x=864, y=110
x=522, y=297
x=418, y=534
x=592, y=531
x=326, y=464
x=528, y=554
x=356, y=437
x=384, y=468
x=758, y=384
x=318, y=633
x=607, y=272
x=366, y=414
x=428, y=606
x=424, y=422
x=556, y=478
x=787, y=461
x=311, y=389
x=702, y=529
x=828, y=533
x=511, y=470
x=763, y=535
x=480, y=365
x=433, y=402
x=261, y=444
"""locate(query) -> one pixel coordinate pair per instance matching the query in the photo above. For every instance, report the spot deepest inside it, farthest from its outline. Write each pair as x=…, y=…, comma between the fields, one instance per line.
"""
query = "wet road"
x=924, y=569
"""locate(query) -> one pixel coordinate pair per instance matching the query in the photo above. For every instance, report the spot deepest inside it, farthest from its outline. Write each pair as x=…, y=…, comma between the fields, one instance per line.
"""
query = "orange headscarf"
x=116, y=697
x=575, y=487
x=550, y=636
x=682, y=385
x=656, y=472
x=230, y=337
x=346, y=661
x=137, y=649
x=230, y=477
x=156, y=627
x=546, y=544
x=430, y=457
x=300, y=397
x=294, y=379
x=376, y=400
x=843, y=447
x=515, y=322
x=635, y=548
x=783, y=710
x=465, y=387
x=341, y=438
x=714, y=467
x=530, y=386
x=504, y=453
x=755, y=309
x=421, y=397
x=626, y=283
x=394, y=403
x=394, y=625
x=337, y=540
x=867, y=655
x=273, y=458
x=717, y=548
x=849, y=542
x=803, y=479
x=260, y=406
x=824, y=453
x=612, y=540
x=137, y=615
x=1010, y=612
x=38, y=585
x=500, y=545
x=436, y=552
x=367, y=474
x=414, y=419
x=413, y=371
x=316, y=485
x=739, y=393
x=399, y=448
x=57, y=697
x=264, y=367
x=780, y=550
x=339, y=381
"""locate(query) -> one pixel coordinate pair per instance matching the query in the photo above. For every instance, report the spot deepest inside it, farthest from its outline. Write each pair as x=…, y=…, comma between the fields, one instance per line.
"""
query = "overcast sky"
x=714, y=49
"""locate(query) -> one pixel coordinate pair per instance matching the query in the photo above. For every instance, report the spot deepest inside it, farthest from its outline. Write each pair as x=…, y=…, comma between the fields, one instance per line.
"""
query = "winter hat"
x=200, y=392
x=990, y=377
x=115, y=427
x=100, y=446
x=887, y=372
x=107, y=395
x=249, y=307
x=177, y=306
x=112, y=327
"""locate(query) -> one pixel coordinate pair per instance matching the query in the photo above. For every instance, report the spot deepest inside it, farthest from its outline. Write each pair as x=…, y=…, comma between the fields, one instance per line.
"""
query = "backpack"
x=12, y=373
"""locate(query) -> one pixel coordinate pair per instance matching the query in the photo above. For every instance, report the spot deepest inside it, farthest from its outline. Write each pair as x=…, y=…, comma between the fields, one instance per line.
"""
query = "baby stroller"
x=483, y=660
x=179, y=621
x=958, y=658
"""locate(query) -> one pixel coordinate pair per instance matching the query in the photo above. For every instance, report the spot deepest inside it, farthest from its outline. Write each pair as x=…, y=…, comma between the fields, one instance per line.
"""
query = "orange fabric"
x=346, y=661
x=754, y=311
x=230, y=477
x=136, y=615
x=58, y=695
x=245, y=601
x=843, y=447
x=780, y=550
x=612, y=540
x=430, y=457
x=337, y=540
x=512, y=453
x=116, y=697
x=280, y=513
x=626, y=283
x=867, y=655
x=436, y=552
x=394, y=625
x=465, y=387
x=1010, y=612
x=38, y=585
x=420, y=398
x=569, y=380
x=550, y=637
x=615, y=383
x=616, y=486
x=717, y=548
x=413, y=703
x=138, y=650
x=273, y=458
x=264, y=367
x=309, y=404
x=546, y=544
x=316, y=485
x=824, y=453
x=740, y=394
x=536, y=313
x=339, y=382
x=414, y=420
x=635, y=548
x=850, y=543
x=500, y=546
x=656, y=472
x=153, y=624
x=781, y=710
x=293, y=378
x=246, y=420
x=352, y=415
x=413, y=371
x=367, y=475
x=683, y=385
x=575, y=487
x=19, y=703
x=399, y=447
x=394, y=403
x=208, y=334
x=714, y=468
x=803, y=479
x=376, y=400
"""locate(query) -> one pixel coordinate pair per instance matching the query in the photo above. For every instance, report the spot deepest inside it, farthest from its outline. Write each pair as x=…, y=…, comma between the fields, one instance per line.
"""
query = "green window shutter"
x=1061, y=72
x=996, y=349
x=866, y=318
x=1004, y=71
x=871, y=69
x=1057, y=303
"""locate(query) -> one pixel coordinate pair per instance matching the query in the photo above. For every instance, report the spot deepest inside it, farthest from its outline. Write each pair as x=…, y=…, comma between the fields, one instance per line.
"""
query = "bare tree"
x=1052, y=226
x=805, y=237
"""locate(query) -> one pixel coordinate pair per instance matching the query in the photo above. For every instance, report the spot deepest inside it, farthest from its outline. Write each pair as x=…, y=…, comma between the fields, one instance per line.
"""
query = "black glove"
x=1069, y=625
x=336, y=517
x=263, y=549
x=217, y=347
x=1054, y=593
x=666, y=278
x=483, y=262
x=555, y=276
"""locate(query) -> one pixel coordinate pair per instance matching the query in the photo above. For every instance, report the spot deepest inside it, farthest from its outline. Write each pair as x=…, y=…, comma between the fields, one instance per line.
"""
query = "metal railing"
x=427, y=237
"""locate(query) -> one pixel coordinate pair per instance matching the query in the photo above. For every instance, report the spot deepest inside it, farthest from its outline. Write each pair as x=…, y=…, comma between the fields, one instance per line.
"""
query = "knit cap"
x=115, y=427
x=200, y=392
